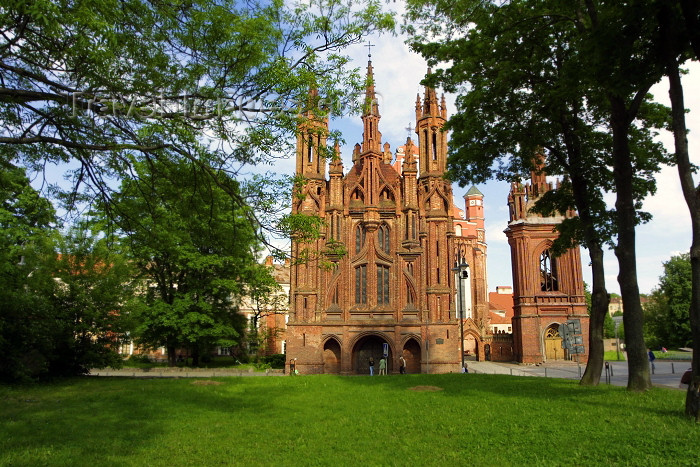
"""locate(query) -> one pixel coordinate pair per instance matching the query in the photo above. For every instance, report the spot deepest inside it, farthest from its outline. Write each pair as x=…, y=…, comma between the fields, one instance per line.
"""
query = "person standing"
x=371, y=366
x=293, y=366
x=382, y=366
x=652, y=357
x=402, y=365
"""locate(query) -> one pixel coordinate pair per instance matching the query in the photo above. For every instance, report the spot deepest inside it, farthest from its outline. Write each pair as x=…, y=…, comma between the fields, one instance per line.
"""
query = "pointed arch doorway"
x=552, y=343
x=411, y=353
x=366, y=347
x=331, y=357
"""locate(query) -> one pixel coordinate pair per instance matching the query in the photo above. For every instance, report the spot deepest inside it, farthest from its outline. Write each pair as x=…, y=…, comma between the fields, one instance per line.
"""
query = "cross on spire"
x=409, y=128
x=369, y=50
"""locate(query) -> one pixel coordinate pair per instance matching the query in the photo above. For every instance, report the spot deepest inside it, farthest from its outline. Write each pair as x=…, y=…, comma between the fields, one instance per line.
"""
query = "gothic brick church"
x=412, y=279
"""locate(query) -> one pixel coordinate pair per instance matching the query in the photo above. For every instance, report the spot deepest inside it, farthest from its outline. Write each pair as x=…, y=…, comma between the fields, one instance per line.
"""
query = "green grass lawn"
x=333, y=420
x=673, y=355
x=611, y=356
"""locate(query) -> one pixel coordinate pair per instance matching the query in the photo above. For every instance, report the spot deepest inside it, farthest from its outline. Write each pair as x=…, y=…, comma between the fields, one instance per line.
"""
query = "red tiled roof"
x=500, y=302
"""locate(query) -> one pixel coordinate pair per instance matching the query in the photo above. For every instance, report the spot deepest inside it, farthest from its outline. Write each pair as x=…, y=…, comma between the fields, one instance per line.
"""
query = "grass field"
x=612, y=356
x=334, y=420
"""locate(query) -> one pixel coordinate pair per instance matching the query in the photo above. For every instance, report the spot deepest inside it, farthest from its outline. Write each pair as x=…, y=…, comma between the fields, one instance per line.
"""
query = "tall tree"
x=101, y=84
x=27, y=223
x=519, y=70
x=196, y=252
x=667, y=315
x=679, y=40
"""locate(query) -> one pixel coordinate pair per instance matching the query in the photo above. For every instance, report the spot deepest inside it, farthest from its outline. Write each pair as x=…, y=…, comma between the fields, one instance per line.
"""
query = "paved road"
x=666, y=374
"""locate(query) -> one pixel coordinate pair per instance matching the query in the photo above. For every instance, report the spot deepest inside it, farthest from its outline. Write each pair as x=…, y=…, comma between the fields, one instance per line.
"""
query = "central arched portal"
x=366, y=347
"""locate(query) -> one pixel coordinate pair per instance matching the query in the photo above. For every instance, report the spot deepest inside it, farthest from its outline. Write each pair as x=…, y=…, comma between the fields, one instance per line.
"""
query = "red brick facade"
x=547, y=291
x=394, y=289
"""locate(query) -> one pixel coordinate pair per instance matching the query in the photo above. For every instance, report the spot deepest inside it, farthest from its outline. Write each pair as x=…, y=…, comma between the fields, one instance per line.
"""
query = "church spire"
x=371, y=138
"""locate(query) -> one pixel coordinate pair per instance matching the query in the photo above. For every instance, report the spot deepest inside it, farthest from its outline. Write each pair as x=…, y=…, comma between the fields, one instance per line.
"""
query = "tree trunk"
x=685, y=173
x=599, y=308
x=637, y=361
x=172, y=358
x=599, y=294
x=195, y=356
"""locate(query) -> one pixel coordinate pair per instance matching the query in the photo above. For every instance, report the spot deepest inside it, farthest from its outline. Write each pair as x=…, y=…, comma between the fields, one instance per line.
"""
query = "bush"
x=136, y=358
x=277, y=360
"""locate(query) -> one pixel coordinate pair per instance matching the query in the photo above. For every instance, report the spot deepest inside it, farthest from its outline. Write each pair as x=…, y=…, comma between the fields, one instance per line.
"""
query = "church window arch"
x=357, y=195
x=361, y=284
x=549, y=280
x=434, y=148
x=383, y=239
x=386, y=195
x=359, y=238
x=382, y=284
x=310, y=149
x=458, y=230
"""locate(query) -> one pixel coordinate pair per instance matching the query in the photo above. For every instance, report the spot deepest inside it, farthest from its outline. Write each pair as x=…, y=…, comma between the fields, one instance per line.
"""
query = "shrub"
x=136, y=358
x=275, y=360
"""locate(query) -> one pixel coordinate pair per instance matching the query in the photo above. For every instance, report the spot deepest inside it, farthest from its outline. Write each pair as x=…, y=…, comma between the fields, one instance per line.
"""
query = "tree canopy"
x=532, y=79
x=103, y=84
x=667, y=313
x=196, y=252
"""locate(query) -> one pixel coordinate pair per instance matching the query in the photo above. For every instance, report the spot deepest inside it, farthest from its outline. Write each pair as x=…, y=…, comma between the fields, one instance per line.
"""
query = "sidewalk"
x=667, y=374
x=166, y=372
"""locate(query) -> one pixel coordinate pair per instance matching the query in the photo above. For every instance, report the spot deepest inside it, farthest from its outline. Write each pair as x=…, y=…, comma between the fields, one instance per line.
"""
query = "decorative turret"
x=430, y=118
x=312, y=132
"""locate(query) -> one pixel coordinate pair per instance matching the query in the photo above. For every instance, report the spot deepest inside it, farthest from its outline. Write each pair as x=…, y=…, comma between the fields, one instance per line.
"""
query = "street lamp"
x=462, y=270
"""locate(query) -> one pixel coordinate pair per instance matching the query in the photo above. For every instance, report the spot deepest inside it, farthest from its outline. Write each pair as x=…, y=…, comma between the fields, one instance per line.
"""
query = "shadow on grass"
x=556, y=392
x=93, y=419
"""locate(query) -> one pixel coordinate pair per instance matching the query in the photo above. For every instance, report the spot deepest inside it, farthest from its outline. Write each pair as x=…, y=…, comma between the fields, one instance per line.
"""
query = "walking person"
x=382, y=366
x=652, y=357
x=293, y=366
x=371, y=366
x=402, y=365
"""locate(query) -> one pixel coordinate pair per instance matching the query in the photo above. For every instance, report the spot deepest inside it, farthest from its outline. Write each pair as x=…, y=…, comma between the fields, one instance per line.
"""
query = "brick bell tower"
x=547, y=290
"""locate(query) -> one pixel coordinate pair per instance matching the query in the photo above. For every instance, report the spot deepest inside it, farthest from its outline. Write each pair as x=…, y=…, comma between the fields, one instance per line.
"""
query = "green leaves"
x=196, y=250
x=667, y=314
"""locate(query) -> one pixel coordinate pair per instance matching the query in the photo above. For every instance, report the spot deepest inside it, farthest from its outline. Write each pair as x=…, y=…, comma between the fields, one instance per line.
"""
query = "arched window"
x=458, y=230
x=425, y=144
x=310, y=149
x=382, y=284
x=549, y=280
x=359, y=238
x=361, y=284
x=434, y=146
x=383, y=238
